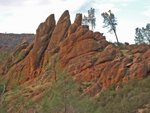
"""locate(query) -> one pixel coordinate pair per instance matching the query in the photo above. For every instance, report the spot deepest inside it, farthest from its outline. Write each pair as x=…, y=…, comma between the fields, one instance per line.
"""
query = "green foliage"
x=18, y=56
x=90, y=19
x=142, y=35
x=64, y=97
x=2, y=85
x=3, y=56
x=130, y=97
x=2, y=88
x=110, y=22
x=139, y=38
x=14, y=101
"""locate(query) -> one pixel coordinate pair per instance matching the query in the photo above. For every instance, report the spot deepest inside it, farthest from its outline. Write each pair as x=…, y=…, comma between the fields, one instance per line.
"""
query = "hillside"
x=8, y=41
x=67, y=62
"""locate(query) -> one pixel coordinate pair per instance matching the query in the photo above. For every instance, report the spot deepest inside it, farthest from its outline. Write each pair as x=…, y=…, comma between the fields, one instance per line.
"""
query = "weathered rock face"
x=85, y=54
x=43, y=37
x=29, y=66
x=60, y=31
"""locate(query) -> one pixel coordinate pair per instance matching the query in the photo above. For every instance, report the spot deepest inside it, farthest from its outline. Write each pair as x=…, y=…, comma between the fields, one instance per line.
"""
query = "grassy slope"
x=128, y=99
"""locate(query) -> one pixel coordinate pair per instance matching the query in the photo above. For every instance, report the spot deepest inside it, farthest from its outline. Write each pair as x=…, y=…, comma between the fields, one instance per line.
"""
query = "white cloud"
x=125, y=1
x=25, y=15
x=147, y=12
x=11, y=2
x=31, y=13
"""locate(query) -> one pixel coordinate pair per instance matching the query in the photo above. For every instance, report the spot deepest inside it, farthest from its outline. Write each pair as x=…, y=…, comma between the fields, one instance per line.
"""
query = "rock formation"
x=85, y=54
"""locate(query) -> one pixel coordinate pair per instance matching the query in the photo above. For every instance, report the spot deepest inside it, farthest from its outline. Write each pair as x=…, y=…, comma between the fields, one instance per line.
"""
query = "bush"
x=4, y=56
x=131, y=97
x=2, y=88
x=64, y=97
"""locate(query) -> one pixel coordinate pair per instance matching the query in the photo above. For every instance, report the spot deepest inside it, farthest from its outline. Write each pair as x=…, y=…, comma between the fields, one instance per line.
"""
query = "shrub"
x=64, y=97
x=3, y=56
x=131, y=97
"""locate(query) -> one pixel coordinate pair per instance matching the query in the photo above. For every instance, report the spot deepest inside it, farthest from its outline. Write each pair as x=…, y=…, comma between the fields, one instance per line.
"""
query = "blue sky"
x=24, y=16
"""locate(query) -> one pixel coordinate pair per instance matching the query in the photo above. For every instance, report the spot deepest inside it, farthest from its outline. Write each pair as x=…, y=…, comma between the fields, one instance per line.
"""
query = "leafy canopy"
x=109, y=21
x=142, y=35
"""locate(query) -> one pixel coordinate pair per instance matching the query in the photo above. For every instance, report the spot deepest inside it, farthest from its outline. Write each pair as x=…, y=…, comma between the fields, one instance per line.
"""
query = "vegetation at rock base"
x=4, y=56
x=129, y=98
x=64, y=97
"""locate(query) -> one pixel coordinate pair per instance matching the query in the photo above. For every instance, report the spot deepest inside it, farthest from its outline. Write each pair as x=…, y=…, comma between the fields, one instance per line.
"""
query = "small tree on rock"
x=139, y=38
x=110, y=22
x=90, y=19
x=142, y=35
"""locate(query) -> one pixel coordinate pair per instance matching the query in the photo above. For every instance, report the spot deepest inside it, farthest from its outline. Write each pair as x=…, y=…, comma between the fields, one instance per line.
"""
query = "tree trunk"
x=116, y=36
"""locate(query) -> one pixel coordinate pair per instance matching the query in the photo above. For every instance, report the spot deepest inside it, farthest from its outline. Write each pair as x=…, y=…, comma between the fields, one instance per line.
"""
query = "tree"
x=142, y=35
x=139, y=38
x=146, y=33
x=64, y=97
x=90, y=19
x=110, y=22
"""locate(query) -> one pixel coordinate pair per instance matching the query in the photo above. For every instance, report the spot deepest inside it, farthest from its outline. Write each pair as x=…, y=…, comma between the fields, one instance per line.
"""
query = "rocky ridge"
x=87, y=56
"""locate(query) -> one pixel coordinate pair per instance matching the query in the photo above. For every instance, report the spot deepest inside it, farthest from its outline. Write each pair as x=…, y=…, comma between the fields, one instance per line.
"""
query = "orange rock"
x=85, y=54
x=42, y=39
x=60, y=31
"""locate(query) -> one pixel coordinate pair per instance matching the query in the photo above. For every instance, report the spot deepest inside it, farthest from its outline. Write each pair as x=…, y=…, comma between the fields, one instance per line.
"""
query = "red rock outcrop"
x=29, y=66
x=85, y=54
